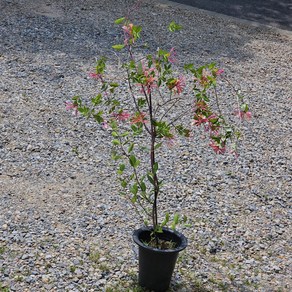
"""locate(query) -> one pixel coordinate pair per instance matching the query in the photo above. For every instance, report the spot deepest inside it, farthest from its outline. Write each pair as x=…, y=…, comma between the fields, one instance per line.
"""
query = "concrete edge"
x=227, y=17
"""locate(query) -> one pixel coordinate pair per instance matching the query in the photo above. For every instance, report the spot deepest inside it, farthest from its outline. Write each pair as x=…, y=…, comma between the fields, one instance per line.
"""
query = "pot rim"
x=182, y=245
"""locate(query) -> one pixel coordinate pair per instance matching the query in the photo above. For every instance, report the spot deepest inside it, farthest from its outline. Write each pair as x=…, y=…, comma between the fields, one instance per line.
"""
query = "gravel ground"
x=62, y=225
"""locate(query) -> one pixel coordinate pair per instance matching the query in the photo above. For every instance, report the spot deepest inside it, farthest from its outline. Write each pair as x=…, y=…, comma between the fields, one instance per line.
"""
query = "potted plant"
x=147, y=106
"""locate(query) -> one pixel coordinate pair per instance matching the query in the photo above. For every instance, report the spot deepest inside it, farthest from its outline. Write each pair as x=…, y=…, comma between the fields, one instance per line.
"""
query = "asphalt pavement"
x=277, y=13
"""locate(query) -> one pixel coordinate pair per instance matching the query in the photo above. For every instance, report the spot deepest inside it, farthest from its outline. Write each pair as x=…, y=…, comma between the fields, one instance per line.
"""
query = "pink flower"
x=243, y=115
x=105, y=125
x=139, y=118
x=217, y=148
x=72, y=106
x=180, y=84
x=172, y=56
x=128, y=32
x=248, y=115
x=219, y=72
x=204, y=80
x=201, y=105
x=128, y=29
x=200, y=119
x=122, y=116
x=149, y=81
x=94, y=75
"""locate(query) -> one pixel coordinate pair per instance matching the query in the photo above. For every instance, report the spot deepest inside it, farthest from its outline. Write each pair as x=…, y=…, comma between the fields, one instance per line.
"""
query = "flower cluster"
x=177, y=84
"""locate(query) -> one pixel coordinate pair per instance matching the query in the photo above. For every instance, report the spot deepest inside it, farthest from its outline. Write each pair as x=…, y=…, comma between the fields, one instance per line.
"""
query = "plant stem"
x=154, y=173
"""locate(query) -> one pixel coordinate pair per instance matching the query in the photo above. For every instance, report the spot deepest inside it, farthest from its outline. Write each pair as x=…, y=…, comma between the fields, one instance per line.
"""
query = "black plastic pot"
x=155, y=265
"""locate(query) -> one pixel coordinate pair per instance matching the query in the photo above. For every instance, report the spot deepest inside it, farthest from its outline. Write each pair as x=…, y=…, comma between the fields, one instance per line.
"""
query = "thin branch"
x=135, y=171
x=217, y=101
x=142, y=207
x=175, y=101
x=179, y=117
x=135, y=101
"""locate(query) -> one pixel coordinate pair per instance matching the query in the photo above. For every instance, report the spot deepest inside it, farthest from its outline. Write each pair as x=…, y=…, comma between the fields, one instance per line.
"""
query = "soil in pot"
x=156, y=265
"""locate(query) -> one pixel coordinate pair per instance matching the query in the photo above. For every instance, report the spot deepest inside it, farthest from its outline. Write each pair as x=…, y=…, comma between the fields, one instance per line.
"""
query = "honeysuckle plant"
x=150, y=103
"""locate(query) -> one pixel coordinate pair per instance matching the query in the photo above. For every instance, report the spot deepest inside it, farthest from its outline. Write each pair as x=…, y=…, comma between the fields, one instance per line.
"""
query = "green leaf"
x=150, y=60
x=174, y=26
x=158, y=229
x=114, y=84
x=132, y=65
x=141, y=102
x=116, y=142
x=162, y=129
x=175, y=221
x=134, y=199
x=155, y=167
x=157, y=146
x=115, y=134
x=143, y=186
x=100, y=65
x=97, y=100
x=183, y=131
x=122, y=167
x=98, y=117
x=163, y=53
x=244, y=107
x=77, y=100
x=211, y=65
x=115, y=102
x=120, y=20
x=134, y=128
x=166, y=220
x=115, y=156
x=136, y=31
x=217, y=139
x=134, y=161
x=150, y=178
x=134, y=189
x=124, y=183
x=189, y=67
x=85, y=111
x=137, y=129
x=176, y=218
x=104, y=86
x=130, y=149
x=118, y=47
x=185, y=219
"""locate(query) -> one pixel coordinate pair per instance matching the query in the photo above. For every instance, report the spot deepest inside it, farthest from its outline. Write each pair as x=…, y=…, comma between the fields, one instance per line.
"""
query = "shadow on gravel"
x=86, y=32
x=45, y=34
x=270, y=12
